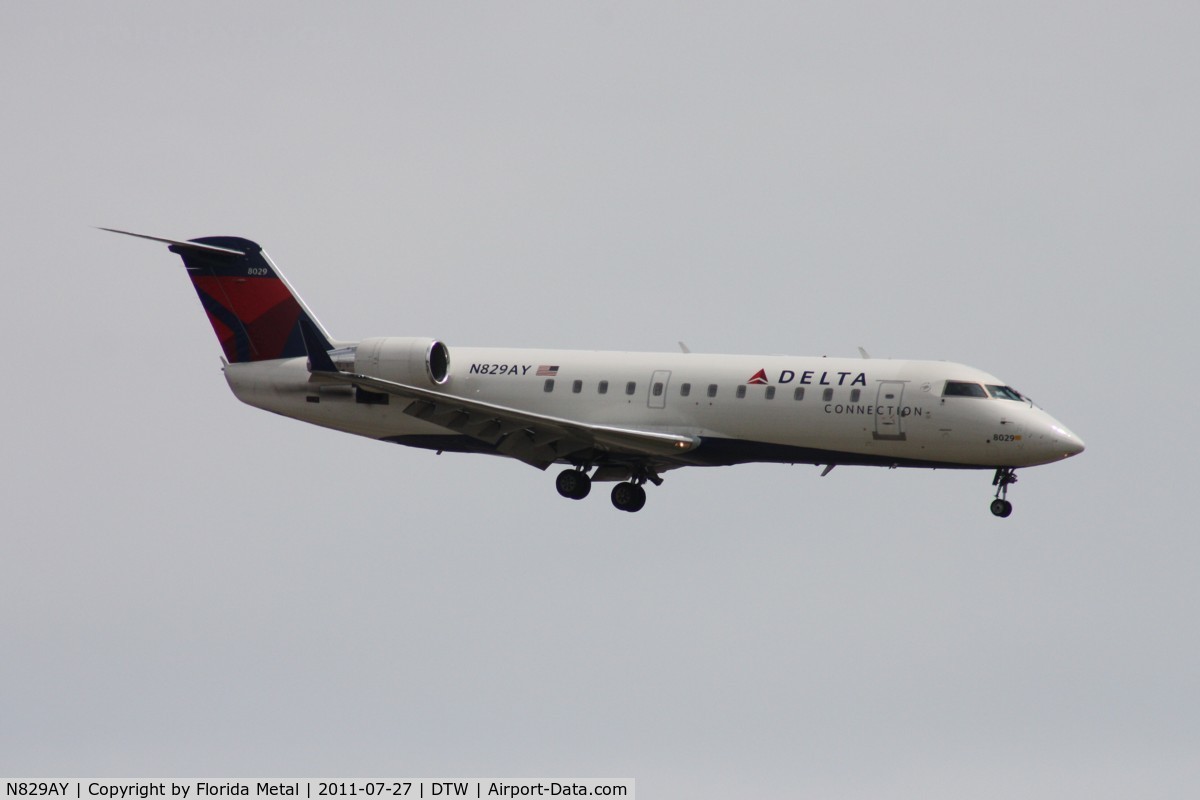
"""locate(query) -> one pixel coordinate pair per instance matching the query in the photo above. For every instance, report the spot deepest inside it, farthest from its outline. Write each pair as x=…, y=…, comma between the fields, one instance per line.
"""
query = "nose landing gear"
x=1004, y=477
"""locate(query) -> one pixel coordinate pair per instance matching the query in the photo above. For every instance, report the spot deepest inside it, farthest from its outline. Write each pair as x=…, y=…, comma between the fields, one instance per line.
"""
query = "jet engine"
x=408, y=360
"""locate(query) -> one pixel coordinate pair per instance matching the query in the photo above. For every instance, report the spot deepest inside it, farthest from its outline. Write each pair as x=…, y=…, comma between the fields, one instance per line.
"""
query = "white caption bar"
x=318, y=790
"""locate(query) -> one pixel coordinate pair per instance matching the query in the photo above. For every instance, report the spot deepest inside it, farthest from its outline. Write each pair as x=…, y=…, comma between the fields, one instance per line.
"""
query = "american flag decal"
x=547, y=372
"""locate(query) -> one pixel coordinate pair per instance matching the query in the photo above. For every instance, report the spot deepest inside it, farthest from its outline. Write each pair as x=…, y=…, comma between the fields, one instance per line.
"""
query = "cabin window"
x=855, y=394
x=799, y=393
x=827, y=395
x=741, y=392
x=549, y=387
x=577, y=387
x=1004, y=392
x=657, y=389
x=770, y=393
x=963, y=389
x=685, y=390
x=602, y=388
x=631, y=387
x=712, y=390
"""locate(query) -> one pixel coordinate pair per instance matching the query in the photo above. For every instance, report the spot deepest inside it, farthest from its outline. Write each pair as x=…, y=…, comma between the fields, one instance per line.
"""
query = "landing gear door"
x=889, y=419
x=658, y=388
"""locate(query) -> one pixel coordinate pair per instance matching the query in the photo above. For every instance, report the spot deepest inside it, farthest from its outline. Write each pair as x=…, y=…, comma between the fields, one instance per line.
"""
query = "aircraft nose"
x=1074, y=445
x=1064, y=443
x=1048, y=440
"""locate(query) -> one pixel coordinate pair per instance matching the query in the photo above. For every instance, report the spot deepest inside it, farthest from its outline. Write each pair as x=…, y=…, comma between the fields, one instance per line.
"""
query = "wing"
x=536, y=439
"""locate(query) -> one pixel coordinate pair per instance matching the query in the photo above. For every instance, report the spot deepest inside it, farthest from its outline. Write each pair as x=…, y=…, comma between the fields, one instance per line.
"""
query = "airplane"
x=624, y=418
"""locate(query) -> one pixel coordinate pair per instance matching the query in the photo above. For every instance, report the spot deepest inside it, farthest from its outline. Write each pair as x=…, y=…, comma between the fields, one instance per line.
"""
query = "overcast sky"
x=190, y=587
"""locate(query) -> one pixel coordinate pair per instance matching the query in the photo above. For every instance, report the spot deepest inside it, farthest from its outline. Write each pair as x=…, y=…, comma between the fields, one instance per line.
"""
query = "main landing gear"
x=628, y=496
x=1004, y=477
x=574, y=484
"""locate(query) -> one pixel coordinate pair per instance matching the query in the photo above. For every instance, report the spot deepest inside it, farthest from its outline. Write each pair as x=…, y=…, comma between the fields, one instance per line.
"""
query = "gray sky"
x=191, y=587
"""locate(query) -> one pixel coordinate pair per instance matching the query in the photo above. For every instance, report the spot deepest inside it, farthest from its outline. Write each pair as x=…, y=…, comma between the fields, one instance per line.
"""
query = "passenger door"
x=889, y=421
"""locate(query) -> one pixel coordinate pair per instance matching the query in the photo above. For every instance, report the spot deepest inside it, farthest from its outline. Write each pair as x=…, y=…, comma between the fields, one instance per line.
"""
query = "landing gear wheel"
x=628, y=497
x=1005, y=477
x=573, y=484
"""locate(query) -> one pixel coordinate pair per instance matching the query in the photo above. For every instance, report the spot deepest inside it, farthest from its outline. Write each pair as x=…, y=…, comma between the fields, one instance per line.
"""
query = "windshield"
x=1004, y=392
x=962, y=389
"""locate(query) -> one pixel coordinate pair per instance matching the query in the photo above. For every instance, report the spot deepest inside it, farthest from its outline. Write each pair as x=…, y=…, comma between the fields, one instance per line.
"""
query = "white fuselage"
x=763, y=408
x=615, y=417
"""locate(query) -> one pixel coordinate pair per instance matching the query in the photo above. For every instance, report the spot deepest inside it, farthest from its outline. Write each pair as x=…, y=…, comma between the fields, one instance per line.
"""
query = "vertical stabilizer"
x=252, y=308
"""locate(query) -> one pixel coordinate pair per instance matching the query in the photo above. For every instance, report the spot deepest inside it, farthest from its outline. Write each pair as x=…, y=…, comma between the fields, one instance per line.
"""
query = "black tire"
x=639, y=498
x=620, y=495
x=628, y=497
x=573, y=484
x=1001, y=508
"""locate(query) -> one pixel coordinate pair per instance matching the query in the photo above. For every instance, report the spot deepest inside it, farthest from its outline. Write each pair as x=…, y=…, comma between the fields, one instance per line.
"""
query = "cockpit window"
x=1004, y=392
x=962, y=389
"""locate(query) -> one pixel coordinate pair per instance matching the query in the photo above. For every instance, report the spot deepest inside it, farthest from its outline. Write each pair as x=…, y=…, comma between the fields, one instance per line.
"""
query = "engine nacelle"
x=403, y=359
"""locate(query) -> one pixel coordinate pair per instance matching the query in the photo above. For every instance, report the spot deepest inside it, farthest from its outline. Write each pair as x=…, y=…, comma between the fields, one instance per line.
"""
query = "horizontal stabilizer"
x=191, y=245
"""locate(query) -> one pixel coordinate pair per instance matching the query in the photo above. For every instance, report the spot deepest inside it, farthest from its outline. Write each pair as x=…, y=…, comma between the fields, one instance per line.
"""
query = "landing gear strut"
x=1004, y=477
x=573, y=484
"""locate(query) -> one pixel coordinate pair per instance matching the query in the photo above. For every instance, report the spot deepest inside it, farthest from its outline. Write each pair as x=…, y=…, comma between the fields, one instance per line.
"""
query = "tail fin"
x=251, y=306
